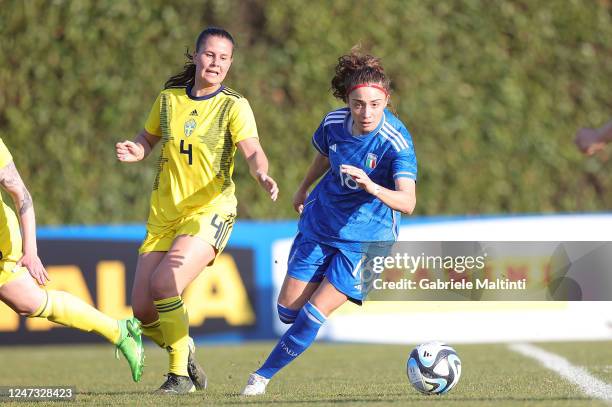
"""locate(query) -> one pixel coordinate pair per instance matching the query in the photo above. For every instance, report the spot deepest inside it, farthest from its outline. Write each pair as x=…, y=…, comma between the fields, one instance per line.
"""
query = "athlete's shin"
x=174, y=325
x=154, y=332
x=66, y=309
x=295, y=341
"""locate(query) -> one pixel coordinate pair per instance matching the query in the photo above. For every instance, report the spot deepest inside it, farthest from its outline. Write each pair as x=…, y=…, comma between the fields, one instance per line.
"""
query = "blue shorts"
x=311, y=261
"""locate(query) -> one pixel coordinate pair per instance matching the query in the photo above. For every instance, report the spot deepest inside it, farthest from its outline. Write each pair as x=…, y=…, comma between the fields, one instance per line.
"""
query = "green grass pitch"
x=340, y=374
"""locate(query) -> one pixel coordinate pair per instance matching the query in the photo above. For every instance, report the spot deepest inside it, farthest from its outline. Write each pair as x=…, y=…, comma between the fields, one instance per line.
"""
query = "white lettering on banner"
x=219, y=292
x=473, y=321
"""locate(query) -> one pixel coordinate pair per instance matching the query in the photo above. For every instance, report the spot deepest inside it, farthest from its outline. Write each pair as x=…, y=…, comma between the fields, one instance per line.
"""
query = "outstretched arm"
x=318, y=167
x=589, y=141
x=137, y=150
x=12, y=183
x=258, y=165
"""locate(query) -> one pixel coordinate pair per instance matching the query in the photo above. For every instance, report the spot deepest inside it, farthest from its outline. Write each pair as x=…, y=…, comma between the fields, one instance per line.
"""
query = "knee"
x=26, y=305
x=286, y=315
x=143, y=309
x=25, y=308
x=145, y=315
x=23, y=296
x=162, y=287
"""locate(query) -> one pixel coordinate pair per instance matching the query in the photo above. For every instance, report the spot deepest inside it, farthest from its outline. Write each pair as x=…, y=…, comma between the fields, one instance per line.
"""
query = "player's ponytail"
x=356, y=68
x=186, y=78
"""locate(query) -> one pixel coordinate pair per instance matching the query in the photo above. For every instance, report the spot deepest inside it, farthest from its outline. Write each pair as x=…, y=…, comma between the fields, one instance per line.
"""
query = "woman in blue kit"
x=368, y=167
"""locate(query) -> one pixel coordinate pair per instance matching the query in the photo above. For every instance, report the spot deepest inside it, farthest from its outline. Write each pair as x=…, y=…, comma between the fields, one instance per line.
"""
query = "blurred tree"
x=491, y=91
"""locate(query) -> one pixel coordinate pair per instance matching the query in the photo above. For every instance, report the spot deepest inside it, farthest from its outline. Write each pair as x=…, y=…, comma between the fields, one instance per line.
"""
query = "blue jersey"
x=339, y=213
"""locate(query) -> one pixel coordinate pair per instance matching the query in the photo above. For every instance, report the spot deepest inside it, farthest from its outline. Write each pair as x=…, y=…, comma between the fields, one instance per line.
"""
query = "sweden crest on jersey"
x=190, y=126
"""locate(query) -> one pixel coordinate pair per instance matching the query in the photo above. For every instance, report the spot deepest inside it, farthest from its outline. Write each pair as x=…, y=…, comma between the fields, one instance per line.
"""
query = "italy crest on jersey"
x=371, y=161
x=190, y=126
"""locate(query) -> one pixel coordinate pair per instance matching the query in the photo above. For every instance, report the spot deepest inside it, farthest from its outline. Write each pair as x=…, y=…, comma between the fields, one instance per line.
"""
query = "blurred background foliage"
x=492, y=92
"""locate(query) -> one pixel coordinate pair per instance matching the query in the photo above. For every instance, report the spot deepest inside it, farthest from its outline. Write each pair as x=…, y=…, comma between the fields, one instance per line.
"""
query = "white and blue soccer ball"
x=433, y=368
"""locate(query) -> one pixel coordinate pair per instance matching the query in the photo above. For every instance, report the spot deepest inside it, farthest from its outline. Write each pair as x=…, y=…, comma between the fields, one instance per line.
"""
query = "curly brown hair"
x=356, y=68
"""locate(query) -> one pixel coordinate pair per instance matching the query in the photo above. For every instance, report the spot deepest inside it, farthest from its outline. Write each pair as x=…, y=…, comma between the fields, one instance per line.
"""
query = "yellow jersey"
x=195, y=166
x=10, y=234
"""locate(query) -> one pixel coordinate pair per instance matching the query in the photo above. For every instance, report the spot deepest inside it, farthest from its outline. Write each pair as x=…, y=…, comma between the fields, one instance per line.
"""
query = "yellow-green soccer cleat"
x=130, y=344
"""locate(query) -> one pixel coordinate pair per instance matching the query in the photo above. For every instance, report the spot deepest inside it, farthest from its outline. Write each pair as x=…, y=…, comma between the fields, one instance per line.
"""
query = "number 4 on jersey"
x=188, y=151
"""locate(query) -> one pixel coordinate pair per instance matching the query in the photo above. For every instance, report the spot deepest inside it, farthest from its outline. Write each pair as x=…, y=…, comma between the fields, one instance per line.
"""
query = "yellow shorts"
x=8, y=272
x=212, y=227
x=10, y=250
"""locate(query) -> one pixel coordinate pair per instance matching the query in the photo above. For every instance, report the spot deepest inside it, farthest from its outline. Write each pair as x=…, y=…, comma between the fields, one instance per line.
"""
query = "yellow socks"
x=153, y=331
x=174, y=325
x=68, y=310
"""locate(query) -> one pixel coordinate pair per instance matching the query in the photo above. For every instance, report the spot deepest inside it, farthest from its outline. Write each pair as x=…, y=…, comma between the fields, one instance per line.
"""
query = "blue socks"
x=295, y=341
x=287, y=315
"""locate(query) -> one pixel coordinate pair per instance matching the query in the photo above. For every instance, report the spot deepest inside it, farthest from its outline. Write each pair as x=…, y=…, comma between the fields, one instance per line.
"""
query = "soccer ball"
x=433, y=368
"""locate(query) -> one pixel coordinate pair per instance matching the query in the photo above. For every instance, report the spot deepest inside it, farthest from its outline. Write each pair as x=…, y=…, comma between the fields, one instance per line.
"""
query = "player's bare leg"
x=26, y=298
x=185, y=260
x=292, y=297
x=327, y=298
x=22, y=295
x=142, y=301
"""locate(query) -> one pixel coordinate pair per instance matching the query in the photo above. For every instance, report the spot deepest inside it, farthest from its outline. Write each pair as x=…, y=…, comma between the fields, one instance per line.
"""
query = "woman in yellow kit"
x=21, y=269
x=200, y=124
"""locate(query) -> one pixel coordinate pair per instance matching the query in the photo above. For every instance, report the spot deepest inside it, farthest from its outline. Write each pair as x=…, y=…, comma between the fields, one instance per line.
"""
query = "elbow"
x=408, y=207
x=407, y=210
x=16, y=194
